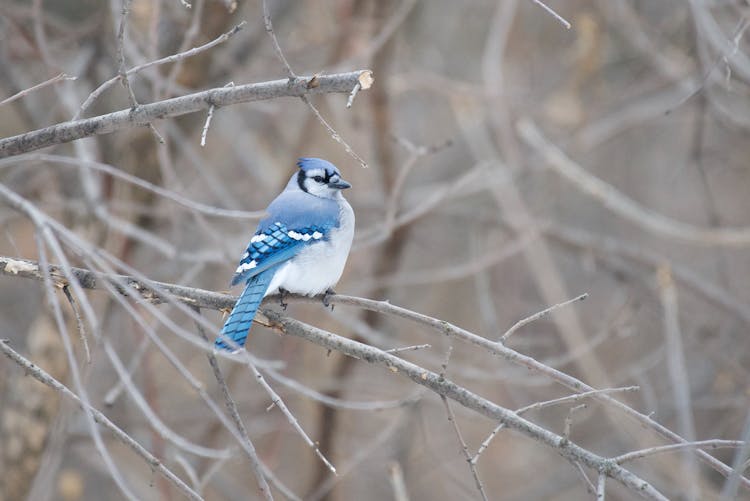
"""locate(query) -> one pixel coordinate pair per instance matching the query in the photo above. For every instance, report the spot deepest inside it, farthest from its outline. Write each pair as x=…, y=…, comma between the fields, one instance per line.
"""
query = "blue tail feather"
x=241, y=319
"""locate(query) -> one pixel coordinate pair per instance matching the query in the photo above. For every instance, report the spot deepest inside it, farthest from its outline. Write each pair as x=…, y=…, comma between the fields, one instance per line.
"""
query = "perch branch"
x=213, y=300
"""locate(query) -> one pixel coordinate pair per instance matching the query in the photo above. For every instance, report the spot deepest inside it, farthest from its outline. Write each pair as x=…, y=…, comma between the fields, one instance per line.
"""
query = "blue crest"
x=307, y=164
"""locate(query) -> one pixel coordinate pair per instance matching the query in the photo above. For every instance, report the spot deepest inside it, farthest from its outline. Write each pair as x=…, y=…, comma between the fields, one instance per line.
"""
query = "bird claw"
x=282, y=294
x=327, y=298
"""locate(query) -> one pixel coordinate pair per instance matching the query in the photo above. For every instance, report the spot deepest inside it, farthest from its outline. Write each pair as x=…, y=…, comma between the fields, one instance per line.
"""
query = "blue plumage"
x=238, y=324
x=300, y=247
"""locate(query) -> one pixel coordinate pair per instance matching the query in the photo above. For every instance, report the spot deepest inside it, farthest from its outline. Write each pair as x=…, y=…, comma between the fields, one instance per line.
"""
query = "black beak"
x=340, y=185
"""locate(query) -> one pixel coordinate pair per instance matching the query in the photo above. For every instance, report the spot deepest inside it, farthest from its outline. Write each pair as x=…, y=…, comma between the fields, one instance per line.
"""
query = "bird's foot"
x=327, y=298
x=282, y=294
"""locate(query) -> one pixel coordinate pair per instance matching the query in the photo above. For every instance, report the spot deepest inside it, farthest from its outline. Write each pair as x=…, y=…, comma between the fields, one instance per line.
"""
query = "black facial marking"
x=301, y=180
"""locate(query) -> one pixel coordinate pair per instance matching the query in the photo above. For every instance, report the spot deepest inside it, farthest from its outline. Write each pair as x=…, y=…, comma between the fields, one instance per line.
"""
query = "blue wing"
x=294, y=221
x=273, y=245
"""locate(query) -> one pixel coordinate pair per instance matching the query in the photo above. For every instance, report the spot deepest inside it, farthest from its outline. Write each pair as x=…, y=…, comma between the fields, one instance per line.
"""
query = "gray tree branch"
x=213, y=300
x=433, y=381
x=145, y=114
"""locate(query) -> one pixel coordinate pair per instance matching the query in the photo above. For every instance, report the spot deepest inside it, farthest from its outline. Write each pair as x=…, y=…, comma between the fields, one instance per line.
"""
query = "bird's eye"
x=318, y=179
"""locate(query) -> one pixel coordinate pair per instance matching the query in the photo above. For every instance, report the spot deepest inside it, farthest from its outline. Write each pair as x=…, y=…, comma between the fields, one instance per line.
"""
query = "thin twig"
x=575, y=398
x=316, y=79
x=268, y=24
x=332, y=132
x=189, y=36
x=79, y=323
x=569, y=420
x=164, y=60
x=739, y=464
x=278, y=402
x=539, y=315
x=589, y=486
x=541, y=405
x=409, y=348
x=235, y=414
x=353, y=94
x=18, y=95
x=189, y=470
x=678, y=375
x=208, y=210
x=337, y=402
x=209, y=116
x=554, y=14
x=739, y=30
x=457, y=430
x=661, y=449
x=114, y=393
x=122, y=72
x=622, y=205
x=464, y=447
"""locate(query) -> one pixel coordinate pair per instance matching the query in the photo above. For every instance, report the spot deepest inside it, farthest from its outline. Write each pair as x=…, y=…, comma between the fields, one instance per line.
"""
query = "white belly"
x=319, y=266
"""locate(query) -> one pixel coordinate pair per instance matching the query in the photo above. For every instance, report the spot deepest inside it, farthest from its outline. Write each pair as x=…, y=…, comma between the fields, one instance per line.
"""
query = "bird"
x=301, y=246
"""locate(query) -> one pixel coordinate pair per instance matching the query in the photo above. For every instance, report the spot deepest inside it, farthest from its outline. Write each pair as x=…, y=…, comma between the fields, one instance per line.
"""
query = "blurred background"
x=513, y=164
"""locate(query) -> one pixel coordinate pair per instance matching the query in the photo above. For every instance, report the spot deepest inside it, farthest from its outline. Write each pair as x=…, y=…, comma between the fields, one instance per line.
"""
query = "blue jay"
x=300, y=247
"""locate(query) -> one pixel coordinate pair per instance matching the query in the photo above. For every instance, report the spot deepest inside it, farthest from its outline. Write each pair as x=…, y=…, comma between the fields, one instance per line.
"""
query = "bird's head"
x=320, y=178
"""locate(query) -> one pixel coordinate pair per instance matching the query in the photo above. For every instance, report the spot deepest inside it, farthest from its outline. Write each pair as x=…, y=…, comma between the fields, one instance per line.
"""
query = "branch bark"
x=207, y=299
x=147, y=113
x=370, y=354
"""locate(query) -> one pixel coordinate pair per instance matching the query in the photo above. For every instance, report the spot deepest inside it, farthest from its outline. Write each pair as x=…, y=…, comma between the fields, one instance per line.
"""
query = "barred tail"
x=241, y=319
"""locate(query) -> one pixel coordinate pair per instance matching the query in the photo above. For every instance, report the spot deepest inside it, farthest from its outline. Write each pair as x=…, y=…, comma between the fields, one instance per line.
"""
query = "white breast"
x=319, y=266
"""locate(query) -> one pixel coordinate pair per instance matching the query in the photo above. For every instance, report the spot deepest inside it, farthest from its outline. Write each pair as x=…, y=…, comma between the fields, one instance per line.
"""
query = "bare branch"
x=18, y=95
x=165, y=60
x=554, y=14
x=569, y=420
x=409, y=348
x=276, y=47
x=447, y=388
x=678, y=374
x=661, y=449
x=625, y=207
x=464, y=447
x=363, y=82
x=739, y=465
x=252, y=455
x=79, y=323
x=40, y=375
x=213, y=300
x=539, y=315
x=168, y=108
x=541, y=405
x=136, y=181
